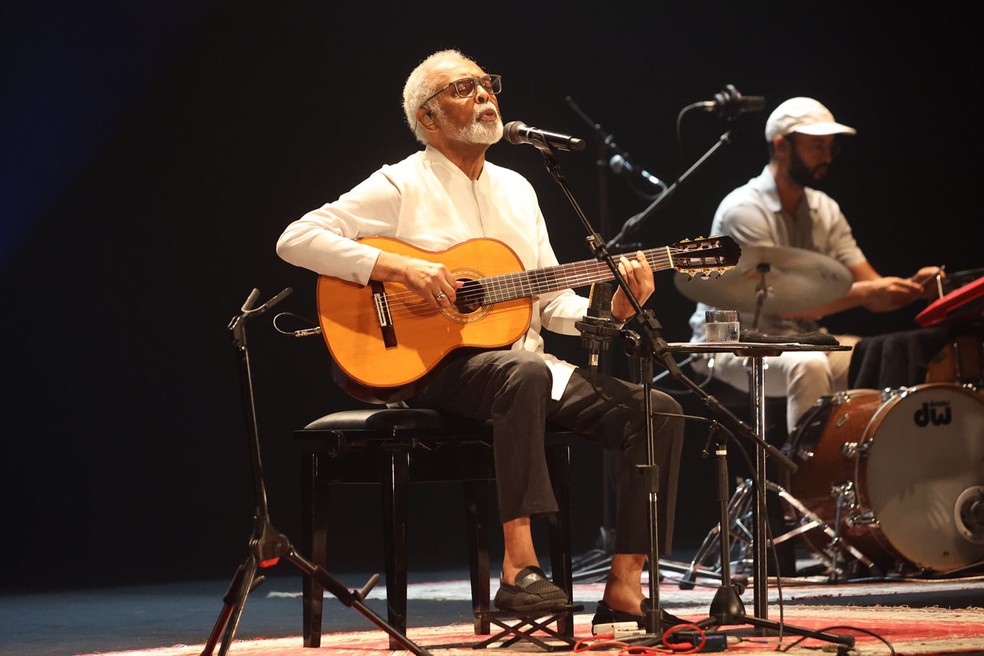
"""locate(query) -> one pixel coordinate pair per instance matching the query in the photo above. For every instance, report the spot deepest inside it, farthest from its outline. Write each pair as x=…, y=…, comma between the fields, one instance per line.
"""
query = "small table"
x=756, y=352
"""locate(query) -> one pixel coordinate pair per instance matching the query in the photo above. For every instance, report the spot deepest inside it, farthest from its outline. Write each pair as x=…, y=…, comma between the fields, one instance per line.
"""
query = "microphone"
x=619, y=163
x=517, y=132
x=597, y=327
x=729, y=102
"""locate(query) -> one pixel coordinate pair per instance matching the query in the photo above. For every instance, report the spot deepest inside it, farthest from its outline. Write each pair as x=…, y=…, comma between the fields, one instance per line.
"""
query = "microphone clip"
x=597, y=327
x=729, y=103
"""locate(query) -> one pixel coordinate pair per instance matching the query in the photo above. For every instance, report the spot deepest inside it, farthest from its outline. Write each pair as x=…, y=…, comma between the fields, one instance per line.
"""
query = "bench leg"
x=559, y=531
x=476, y=494
x=395, y=486
x=314, y=541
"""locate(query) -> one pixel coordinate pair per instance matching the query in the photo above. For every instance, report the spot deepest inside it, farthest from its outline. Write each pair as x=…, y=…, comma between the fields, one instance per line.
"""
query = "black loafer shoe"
x=532, y=591
x=604, y=614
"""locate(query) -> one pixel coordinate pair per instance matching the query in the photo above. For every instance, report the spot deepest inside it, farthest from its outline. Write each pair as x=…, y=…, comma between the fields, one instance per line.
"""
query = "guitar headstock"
x=705, y=255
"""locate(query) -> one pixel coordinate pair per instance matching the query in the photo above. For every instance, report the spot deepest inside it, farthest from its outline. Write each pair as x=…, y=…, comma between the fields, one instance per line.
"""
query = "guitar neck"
x=527, y=284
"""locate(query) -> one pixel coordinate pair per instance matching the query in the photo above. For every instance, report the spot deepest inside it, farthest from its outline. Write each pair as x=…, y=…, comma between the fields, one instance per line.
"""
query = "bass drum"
x=906, y=467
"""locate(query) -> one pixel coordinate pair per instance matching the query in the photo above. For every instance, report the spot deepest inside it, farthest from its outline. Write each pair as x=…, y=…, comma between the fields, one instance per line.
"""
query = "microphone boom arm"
x=633, y=223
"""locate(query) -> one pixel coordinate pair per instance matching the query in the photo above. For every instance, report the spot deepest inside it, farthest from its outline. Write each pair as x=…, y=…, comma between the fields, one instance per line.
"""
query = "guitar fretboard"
x=527, y=284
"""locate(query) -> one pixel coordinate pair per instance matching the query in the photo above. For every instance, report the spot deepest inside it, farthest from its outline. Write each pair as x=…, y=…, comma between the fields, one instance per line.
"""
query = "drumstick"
x=939, y=281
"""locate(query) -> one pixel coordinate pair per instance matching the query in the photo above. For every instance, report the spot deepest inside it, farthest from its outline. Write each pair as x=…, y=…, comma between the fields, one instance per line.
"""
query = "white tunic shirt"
x=428, y=202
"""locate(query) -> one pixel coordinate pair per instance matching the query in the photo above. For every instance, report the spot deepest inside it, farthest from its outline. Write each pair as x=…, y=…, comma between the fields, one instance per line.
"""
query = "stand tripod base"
x=727, y=609
x=266, y=551
x=267, y=545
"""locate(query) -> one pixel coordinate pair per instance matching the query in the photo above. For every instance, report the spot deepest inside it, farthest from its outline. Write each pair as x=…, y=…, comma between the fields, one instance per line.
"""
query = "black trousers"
x=512, y=388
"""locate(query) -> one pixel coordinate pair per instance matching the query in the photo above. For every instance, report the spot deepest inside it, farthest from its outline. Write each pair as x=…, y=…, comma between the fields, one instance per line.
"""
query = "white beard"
x=477, y=131
x=482, y=132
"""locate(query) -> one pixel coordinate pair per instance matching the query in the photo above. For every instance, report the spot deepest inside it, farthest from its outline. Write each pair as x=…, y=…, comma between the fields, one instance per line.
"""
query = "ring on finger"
x=440, y=296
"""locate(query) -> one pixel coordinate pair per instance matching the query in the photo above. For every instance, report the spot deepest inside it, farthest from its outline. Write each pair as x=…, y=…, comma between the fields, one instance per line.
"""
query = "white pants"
x=801, y=376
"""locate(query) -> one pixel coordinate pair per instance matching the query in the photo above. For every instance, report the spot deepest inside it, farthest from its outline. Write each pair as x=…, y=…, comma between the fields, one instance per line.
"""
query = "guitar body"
x=385, y=341
x=381, y=363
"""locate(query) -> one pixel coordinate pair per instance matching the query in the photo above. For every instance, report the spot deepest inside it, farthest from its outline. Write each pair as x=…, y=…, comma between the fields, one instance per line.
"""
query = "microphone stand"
x=596, y=244
x=605, y=142
x=633, y=223
x=267, y=545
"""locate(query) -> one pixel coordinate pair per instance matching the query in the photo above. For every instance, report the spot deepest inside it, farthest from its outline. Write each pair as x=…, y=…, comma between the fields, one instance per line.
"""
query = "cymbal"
x=794, y=278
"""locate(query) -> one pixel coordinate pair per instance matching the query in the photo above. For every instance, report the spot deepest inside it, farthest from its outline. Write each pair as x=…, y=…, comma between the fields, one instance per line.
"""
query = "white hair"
x=419, y=85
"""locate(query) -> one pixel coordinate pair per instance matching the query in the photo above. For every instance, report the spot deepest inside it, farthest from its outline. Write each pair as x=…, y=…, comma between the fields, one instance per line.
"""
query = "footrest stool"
x=525, y=626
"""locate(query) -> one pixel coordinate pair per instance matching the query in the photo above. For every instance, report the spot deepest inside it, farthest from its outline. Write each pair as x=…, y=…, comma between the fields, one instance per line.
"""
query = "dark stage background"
x=154, y=151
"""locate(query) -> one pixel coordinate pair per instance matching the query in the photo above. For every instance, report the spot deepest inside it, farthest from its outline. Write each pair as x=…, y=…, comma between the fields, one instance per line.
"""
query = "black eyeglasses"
x=467, y=86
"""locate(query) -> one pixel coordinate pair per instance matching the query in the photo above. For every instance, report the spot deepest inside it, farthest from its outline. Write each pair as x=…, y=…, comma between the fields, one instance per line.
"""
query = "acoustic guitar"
x=384, y=340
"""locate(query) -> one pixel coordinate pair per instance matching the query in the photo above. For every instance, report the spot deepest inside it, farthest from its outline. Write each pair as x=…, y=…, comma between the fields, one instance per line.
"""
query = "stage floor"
x=184, y=613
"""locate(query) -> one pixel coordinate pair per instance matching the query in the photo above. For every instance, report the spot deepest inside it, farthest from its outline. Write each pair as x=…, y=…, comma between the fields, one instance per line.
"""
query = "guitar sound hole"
x=470, y=297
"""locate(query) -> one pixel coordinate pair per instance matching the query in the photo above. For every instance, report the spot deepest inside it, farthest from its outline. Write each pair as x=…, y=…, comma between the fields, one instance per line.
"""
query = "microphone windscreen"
x=511, y=131
x=600, y=300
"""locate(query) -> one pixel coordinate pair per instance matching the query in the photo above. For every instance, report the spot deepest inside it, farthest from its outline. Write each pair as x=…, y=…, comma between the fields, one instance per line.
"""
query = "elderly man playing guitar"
x=444, y=249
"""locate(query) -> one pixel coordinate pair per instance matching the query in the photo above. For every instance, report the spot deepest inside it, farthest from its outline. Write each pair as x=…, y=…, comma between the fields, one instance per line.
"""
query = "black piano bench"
x=395, y=447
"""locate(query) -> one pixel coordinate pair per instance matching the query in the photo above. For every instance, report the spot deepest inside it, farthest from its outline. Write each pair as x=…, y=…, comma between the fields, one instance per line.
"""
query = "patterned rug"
x=883, y=629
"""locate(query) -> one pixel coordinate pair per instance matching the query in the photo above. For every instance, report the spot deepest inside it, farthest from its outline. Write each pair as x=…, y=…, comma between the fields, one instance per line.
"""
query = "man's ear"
x=425, y=117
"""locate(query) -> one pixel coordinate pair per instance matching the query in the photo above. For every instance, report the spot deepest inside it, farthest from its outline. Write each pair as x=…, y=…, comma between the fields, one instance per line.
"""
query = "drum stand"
x=739, y=513
x=268, y=546
x=726, y=606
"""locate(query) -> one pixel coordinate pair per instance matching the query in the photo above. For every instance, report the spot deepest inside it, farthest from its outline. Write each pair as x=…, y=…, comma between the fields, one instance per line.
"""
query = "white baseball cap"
x=804, y=115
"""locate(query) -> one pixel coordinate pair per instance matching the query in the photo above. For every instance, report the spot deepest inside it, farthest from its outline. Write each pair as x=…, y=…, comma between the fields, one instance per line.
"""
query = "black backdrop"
x=155, y=151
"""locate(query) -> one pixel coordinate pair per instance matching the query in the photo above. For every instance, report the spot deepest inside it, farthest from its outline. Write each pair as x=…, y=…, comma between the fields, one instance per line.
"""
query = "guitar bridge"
x=383, y=316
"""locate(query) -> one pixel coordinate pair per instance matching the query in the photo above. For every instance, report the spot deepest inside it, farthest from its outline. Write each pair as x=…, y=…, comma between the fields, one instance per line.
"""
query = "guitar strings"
x=510, y=286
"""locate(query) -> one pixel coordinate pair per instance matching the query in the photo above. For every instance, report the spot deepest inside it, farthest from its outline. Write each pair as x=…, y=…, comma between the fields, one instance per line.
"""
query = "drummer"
x=781, y=208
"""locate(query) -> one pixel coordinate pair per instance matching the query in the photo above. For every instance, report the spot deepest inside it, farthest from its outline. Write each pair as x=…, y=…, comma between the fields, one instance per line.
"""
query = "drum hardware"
x=968, y=514
x=835, y=555
x=845, y=496
x=852, y=449
x=739, y=520
x=838, y=566
x=866, y=518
